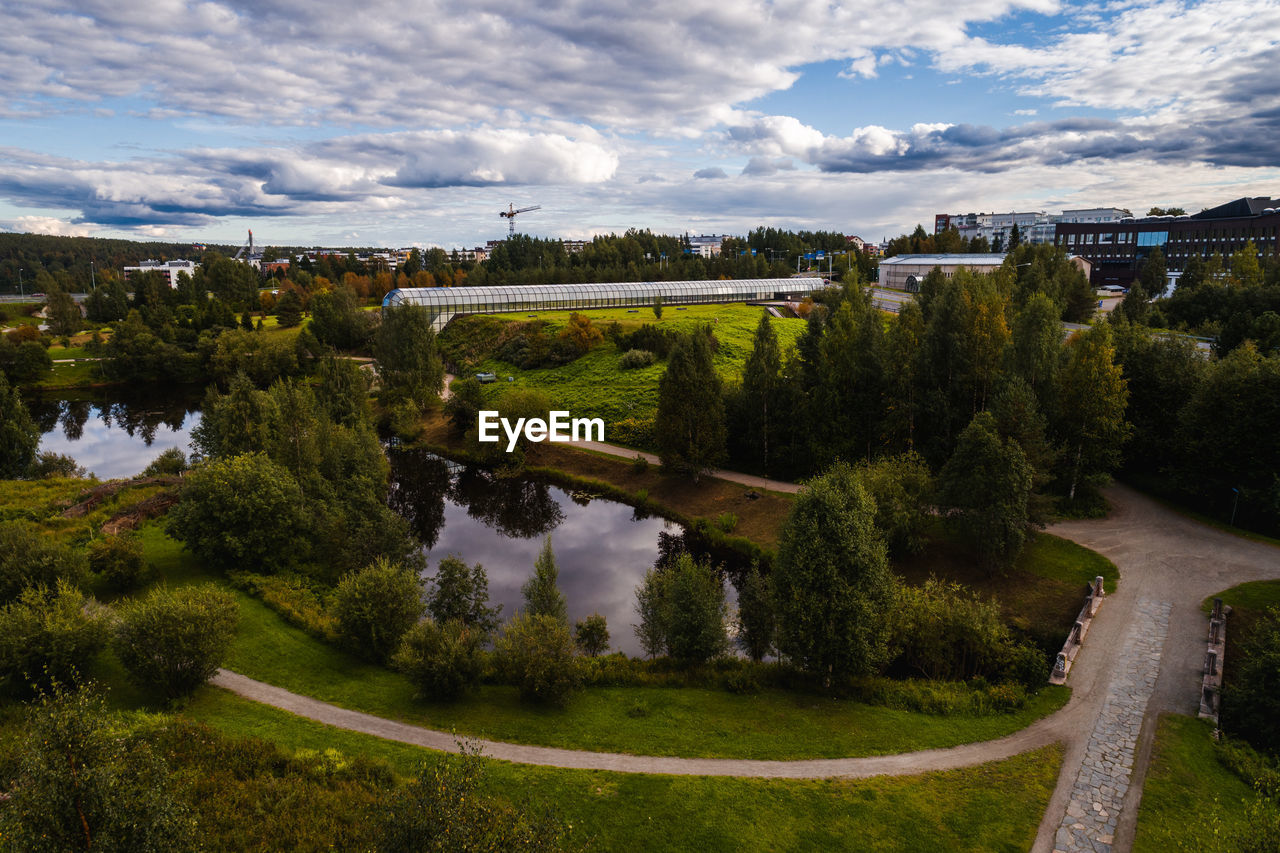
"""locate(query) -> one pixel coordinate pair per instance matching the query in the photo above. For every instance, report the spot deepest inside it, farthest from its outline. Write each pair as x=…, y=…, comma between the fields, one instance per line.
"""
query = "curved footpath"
x=1143, y=656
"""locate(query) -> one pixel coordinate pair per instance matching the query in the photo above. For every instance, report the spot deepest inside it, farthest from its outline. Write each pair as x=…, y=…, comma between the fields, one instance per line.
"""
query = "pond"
x=115, y=434
x=602, y=547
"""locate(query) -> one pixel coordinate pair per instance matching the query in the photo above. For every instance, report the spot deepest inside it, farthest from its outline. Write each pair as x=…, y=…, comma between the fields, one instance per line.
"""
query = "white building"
x=170, y=269
x=707, y=245
x=904, y=272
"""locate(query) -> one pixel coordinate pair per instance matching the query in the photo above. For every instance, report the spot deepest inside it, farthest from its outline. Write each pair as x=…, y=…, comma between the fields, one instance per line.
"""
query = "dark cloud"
x=711, y=173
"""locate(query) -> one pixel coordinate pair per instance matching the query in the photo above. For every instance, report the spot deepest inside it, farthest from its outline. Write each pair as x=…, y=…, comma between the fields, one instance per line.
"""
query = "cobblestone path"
x=1103, y=780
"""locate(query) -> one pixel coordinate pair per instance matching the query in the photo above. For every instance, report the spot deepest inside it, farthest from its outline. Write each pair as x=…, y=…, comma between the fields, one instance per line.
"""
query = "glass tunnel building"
x=445, y=303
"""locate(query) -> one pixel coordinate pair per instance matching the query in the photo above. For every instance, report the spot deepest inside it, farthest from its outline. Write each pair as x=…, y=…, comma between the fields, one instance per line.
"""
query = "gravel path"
x=1143, y=656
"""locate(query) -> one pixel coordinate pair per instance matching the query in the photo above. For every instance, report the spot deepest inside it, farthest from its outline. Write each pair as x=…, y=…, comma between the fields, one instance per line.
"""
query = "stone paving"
x=1103, y=780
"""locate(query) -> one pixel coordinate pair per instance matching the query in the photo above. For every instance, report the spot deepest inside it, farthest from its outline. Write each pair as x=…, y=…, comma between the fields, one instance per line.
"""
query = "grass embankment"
x=688, y=722
x=1188, y=794
x=991, y=807
x=1042, y=594
x=595, y=385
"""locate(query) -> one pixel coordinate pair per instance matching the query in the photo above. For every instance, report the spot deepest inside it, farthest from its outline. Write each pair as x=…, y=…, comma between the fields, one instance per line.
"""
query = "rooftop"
x=947, y=259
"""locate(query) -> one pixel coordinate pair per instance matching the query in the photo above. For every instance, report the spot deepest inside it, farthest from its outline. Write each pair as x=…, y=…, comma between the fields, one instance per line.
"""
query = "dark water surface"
x=602, y=547
x=115, y=434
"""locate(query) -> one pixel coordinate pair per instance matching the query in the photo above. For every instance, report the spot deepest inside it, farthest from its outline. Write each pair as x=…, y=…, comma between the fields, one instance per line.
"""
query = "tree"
x=336, y=318
x=756, y=623
x=117, y=559
x=19, y=435
x=405, y=356
x=466, y=399
x=375, y=606
x=459, y=592
x=343, y=391
x=443, y=810
x=902, y=488
x=690, y=423
x=696, y=611
x=983, y=490
x=49, y=634
x=442, y=661
x=831, y=581
x=289, y=309
x=1092, y=395
x=1018, y=418
x=651, y=604
x=591, y=635
x=28, y=558
x=542, y=597
x=63, y=313
x=1015, y=238
x=1036, y=349
x=241, y=511
x=173, y=640
x=81, y=786
x=761, y=379
x=535, y=652
x=657, y=306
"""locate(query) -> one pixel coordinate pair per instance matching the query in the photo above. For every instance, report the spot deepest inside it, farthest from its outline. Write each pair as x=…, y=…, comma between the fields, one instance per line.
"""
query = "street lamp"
x=21, y=293
x=1235, y=506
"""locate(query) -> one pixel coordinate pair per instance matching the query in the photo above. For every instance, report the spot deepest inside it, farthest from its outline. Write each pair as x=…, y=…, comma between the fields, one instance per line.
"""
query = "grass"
x=1042, y=594
x=641, y=720
x=1188, y=793
x=1252, y=596
x=991, y=807
x=595, y=386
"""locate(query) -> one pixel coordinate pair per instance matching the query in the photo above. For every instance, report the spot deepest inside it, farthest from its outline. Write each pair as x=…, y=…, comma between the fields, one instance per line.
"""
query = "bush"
x=28, y=558
x=727, y=522
x=591, y=635
x=637, y=358
x=375, y=606
x=173, y=640
x=633, y=432
x=50, y=465
x=169, y=462
x=682, y=611
x=460, y=592
x=442, y=661
x=81, y=786
x=294, y=597
x=535, y=653
x=639, y=465
x=442, y=811
x=48, y=636
x=1251, y=701
x=241, y=511
x=118, y=561
x=943, y=631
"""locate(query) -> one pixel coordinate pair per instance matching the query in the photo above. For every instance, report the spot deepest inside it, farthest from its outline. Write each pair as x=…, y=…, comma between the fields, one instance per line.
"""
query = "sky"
x=317, y=122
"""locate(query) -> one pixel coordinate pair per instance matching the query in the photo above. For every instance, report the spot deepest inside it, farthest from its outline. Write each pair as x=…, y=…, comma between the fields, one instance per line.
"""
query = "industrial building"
x=1118, y=249
x=904, y=272
x=445, y=303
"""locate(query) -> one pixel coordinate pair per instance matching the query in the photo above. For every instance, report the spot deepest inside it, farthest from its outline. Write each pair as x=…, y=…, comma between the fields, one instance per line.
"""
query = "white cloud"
x=47, y=225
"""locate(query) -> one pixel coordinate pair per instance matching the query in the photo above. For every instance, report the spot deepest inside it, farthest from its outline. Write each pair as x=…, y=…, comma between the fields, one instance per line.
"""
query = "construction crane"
x=510, y=214
x=247, y=247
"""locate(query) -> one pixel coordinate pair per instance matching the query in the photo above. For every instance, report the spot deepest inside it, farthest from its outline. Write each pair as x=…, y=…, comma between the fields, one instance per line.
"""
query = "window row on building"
x=445, y=303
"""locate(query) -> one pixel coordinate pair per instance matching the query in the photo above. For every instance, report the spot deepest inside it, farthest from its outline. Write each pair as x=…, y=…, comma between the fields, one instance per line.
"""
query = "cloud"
x=194, y=187
x=47, y=225
x=764, y=166
x=711, y=173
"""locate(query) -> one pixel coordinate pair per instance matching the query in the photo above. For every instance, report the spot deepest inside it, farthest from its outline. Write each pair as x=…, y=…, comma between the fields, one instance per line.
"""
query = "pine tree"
x=542, y=596
x=690, y=424
x=761, y=378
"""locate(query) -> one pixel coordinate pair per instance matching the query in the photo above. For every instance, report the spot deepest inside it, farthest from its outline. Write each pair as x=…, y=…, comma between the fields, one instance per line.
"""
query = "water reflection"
x=116, y=436
x=603, y=548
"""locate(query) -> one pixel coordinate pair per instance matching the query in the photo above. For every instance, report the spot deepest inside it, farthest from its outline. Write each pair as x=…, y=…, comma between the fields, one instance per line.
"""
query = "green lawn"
x=1188, y=793
x=1059, y=559
x=640, y=720
x=595, y=386
x=992, y=807
x=1252, y=596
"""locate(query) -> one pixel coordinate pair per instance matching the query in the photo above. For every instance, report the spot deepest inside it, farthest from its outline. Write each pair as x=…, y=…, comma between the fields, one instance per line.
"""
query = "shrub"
x=536, y=654
x=173, y=640
x=375, y=606
x=727, y=522
x=118, y=561
x=943, y=631
x=442, y=811
x=28, y=558
x=442, y=661
x=50, y=465
x=295, y=598
x=632, y=432
x=591, y=635
x=744, y=682
x=81, y=786
x=171, y=461
x=639, y=464
x=682, y=611
x=48, y=635
x=637, y=358
x=242, y=511
x=1251, y=702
